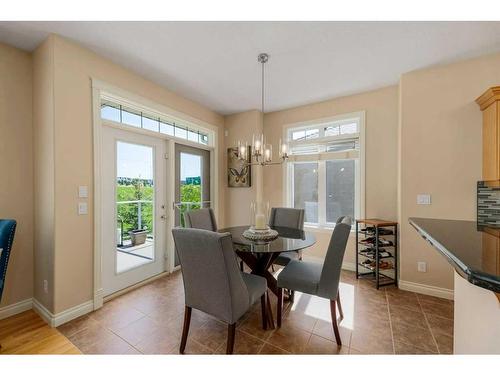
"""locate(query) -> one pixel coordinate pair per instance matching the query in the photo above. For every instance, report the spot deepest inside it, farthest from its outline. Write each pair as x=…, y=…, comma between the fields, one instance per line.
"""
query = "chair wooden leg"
x=280, y=306
x=185, y=328
x=231, y=329
x=333, y=312
x=263, y=306
x=339, y=306
x=241, y=265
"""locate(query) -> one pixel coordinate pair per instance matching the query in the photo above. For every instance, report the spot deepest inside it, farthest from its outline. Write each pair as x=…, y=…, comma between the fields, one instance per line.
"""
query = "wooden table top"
x=377, y=222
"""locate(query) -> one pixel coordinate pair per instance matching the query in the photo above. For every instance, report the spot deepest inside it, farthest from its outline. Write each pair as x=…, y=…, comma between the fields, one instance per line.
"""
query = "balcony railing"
x=191, y=205
x=139, y=209
x=182, y=207
x=138, y=221
x=126, y=224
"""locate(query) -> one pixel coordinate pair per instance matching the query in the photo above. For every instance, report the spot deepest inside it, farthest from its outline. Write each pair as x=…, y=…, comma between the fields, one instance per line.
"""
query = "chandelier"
x=261, y=153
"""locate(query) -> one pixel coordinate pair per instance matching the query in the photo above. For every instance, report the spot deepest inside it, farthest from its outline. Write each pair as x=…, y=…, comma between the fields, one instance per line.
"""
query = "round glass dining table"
x=260, y=255
x=289, y=239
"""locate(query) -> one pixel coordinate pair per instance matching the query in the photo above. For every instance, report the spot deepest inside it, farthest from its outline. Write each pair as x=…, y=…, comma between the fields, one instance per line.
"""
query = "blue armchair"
x=7, y=230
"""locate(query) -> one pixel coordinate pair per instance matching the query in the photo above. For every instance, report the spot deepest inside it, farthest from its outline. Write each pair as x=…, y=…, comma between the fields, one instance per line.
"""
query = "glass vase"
x=259, y=215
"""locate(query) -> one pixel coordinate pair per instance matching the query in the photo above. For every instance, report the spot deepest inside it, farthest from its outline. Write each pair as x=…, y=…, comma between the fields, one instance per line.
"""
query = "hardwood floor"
x=27, y=333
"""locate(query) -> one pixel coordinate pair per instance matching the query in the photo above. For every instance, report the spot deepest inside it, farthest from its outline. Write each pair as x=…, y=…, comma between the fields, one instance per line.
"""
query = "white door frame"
x=100, y=86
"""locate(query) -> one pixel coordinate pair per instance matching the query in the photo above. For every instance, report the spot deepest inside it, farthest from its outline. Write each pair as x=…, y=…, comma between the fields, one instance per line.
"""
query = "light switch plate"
x=423, y=199
x=83, y=192
x=82, y=208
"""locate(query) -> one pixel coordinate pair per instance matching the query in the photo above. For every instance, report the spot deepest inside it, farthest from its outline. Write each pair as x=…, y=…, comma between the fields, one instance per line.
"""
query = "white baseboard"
x=16, y=308
x=98, y=298
x=43, y=312
x=55, y=320
x=411, y=286
x=426, y=289
x=73, y=313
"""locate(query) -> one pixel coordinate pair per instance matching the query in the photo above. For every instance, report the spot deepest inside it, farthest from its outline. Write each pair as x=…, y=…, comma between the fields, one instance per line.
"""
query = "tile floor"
x=148, y=320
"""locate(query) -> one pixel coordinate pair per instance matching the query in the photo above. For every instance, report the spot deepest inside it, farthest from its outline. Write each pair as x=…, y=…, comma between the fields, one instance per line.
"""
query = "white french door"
x=134, y=208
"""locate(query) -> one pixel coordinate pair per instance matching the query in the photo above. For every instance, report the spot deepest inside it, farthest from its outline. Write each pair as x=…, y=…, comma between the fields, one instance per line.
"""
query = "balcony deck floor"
x=134, y=256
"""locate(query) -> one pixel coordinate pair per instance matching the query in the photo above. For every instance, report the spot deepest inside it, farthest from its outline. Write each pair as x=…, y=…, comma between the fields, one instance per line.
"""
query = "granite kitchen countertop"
x=473, y=251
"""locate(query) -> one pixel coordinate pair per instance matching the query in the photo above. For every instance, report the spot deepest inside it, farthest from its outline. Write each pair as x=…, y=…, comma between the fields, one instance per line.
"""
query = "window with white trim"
x=324, y=173
x=112, y=110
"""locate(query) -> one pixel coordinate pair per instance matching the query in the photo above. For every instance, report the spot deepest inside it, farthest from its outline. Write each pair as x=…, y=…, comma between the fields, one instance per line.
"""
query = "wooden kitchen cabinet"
x=489, y=102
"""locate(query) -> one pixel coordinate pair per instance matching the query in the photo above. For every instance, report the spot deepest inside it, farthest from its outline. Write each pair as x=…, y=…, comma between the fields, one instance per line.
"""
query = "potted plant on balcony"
x=138, y=236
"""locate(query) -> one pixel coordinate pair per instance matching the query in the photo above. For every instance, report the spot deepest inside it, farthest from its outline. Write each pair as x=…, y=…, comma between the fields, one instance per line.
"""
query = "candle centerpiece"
x=259, y=218
x=259, y=214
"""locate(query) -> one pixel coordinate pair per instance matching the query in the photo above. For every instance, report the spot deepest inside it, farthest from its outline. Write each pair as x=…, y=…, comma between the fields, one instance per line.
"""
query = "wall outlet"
x=423, y=199
x=46, y=286
x=421, y=266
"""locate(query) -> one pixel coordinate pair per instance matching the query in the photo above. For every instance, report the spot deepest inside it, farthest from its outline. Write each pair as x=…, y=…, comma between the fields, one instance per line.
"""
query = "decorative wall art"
x=238, y=173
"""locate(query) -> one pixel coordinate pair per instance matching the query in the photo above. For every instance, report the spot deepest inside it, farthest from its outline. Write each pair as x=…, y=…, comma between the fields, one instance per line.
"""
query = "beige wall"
x=241, y=127
x=441, y=149
x=43, y=150
x=381, y=108
x=73, y=68
x=16, y=166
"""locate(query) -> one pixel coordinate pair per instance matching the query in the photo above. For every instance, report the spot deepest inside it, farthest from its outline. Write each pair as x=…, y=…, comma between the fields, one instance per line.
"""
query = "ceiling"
x=215, y=63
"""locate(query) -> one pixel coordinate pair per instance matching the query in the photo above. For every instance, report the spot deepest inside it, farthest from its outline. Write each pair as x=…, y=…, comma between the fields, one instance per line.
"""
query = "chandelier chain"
x=262, y=96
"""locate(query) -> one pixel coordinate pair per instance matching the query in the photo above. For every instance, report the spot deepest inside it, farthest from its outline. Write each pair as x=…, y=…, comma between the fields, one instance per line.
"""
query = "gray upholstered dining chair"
x=288, y=218
x=212, y=281
x=203, y=218
x=321, y=280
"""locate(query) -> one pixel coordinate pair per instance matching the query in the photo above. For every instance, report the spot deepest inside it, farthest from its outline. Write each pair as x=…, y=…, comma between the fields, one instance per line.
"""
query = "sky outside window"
x=190, y=166
x=134, y=161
